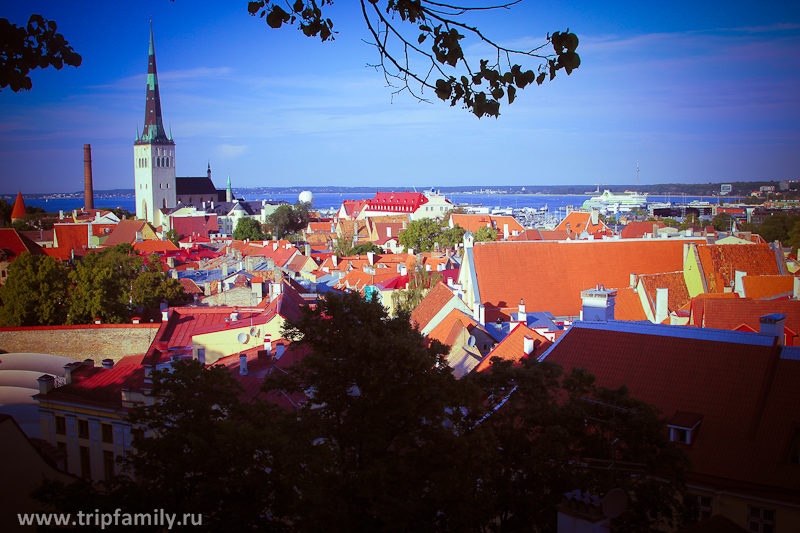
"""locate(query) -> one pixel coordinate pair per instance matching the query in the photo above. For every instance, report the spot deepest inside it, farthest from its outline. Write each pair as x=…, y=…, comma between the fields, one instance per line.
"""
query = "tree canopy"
x=288, y=219
x=35, y=45
x=36, y=292
x=425, y=234
x=420, y=46
x=485, y=234
x=250, y=229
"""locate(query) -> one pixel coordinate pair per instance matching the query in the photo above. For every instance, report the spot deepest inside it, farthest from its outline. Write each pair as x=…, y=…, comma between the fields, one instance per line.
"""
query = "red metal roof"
x=398, y=202
x=15, y=243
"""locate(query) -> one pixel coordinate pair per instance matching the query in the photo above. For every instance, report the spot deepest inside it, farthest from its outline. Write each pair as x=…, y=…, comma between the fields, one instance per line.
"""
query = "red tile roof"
x=448, y=329
x=431, y=304
x=197, y=225
x=512, y=347
x=744, y=388
x=549, y=276
x=636, y=230
x=768, y=287
x=125, y=232
x=396, y=202
x=152, y=247
x=72, y=236
x=731, y=313
x=721, y=261
x=190, y=287
x=19, y=208
x=474, y=222
x=12, y=244
x=99, y=386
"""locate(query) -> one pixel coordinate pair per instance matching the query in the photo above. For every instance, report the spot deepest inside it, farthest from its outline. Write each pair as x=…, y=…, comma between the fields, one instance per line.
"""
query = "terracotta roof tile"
x=768, y=287
x=431, y=304
x=125, y=232
x=72, y=236
x=15, y=243
x=446, y=331
x=628, y=305
x=152, y=246
x=637, y=229
x=512, y=347
x=731, y=313
x=549, y=276
x=720, y=262
x=579, y=222
x=678, y=294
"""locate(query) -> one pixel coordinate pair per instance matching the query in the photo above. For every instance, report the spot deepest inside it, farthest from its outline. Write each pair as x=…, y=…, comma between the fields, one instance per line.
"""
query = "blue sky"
x=695, y=91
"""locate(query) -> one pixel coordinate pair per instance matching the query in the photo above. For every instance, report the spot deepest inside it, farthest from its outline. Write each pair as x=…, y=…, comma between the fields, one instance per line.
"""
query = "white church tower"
x=153, y=155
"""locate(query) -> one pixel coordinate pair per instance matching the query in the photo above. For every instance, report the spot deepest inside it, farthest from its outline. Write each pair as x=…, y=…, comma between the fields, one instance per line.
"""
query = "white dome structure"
x=306, y=197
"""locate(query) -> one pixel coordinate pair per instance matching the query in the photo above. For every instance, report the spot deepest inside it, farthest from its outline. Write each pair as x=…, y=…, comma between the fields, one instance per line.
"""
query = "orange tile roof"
x=678, y=294
x=475, y=222
x=19, y=208
x=731, y=313
x=448, y=329
x=721, y=261
x=125, y=232
x=72, y=236
x=320, y=238
x=512, y=347
x=190, y=287
x=151, y=247
x=637, y=229
x=432, y=303
x=579, y=222
x=768, y=287
x=628, y=305
x=549, y=276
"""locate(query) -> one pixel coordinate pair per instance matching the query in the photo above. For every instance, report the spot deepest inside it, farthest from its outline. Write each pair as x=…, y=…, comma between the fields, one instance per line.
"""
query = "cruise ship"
x=612, y=202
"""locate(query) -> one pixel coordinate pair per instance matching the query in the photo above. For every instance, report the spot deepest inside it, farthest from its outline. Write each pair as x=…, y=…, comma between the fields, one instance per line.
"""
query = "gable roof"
x=153, y=246
x=721, y=261
x=512, y=347
x=13, y=243
x=628, y=305
x=731, y=313
x=125, y=232
x=201, y=185
x=742, y=384
x=678, y=294
x=407, y=202
x=549, y=276
x=475, y=222
x=196, y=225
x=433, y=302
x=580, y=221
x=71, y=236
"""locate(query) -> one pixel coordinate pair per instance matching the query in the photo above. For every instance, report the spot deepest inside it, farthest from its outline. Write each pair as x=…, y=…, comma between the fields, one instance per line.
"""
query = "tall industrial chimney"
x=87, y=177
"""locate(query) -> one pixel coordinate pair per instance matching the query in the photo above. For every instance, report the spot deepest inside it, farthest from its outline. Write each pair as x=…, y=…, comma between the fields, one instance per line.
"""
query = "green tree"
x=670, y=222
x=288, y=219
x=206, y=453
x=112, y=282
x=363, y=248
x=248, y=228
x=558, y=432
x=420, y=235
x=382, y=444
x=450, y=237
x=420, y=283
x=485, y=234
x=36, y=45
x=341, y=246
x=722, y=222
x=173, y=237
x=438, y=26
x=36, y=292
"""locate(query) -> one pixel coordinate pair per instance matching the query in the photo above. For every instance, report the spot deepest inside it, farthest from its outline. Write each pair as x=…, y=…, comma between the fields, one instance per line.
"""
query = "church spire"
x=153, y=123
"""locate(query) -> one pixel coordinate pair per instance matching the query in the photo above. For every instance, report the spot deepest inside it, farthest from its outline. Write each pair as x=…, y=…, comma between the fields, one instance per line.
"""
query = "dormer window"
x=683, y=427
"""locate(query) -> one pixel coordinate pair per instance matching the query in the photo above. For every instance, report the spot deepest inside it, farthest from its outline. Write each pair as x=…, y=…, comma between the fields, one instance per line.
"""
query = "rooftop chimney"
x=371, y=258
x=598, y=304
x=522, y=316
x=165, y=315
x=527, y=345
x=634, y=281
x=87, y=177
x=235, y=315
x=772, y=325
x=595, y=217
x=243, y=364
x=108, y=364
x=662, y=305
x=268, y=344
x=505, y=232
x=46, y=383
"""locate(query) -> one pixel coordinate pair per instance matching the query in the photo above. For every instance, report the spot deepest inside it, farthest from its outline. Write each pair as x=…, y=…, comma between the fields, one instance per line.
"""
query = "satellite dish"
x=242, y=338
x=471, y=342
x=614, y=503
x=253, y=332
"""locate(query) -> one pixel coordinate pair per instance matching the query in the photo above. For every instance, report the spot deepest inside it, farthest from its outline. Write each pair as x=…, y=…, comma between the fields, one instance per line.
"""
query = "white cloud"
x=230, y=150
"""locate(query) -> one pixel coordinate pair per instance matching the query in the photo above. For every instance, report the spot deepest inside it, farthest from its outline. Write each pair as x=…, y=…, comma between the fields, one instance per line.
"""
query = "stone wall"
x=96, y=341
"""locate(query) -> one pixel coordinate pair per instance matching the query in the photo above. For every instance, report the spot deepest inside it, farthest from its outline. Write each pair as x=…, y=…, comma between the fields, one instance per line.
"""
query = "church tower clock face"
x=153, y=154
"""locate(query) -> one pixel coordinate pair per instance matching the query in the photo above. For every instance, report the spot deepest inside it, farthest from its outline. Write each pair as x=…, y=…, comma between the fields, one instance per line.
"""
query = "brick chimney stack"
x=87, y=177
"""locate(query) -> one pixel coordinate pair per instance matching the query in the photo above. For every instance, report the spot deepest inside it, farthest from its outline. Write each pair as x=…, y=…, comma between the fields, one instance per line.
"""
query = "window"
x=760, y=520
x=83, y=429
x=108, y=464
x=86, y=462
x=108, y=433
x=706, y=505
x=61, y=425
